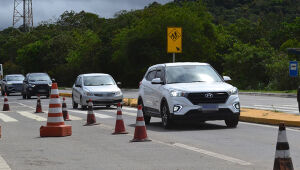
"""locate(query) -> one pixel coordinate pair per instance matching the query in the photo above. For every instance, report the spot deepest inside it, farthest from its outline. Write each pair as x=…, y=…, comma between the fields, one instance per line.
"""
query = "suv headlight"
x=233, y=91
x=9, y=83
x=177, y=93
x=32, y=85
x=50, y=84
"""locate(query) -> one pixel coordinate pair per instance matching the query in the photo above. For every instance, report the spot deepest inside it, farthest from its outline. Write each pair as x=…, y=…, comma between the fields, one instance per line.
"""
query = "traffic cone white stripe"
x=119, y=117
x=55, y=119
x=140, y=123
x=282, y=136
x=5, y=102
x=54, y=101
x=282, y=154
x=119, y=109
x=54, y=91
x=54, y=110
x=140, y=114
x=64, y=109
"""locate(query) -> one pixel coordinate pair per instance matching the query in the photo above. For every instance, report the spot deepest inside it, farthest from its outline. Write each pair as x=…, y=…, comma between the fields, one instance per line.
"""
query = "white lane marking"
x=131, y=109
x=287, y=108
x=268, y=126
x=26, y=105
x=32, y=116
x=212, y=154
x=123, y=113
x=6, y=118
x=3, y=164
x=102, y=116
x=271, y=109
x=74, y=117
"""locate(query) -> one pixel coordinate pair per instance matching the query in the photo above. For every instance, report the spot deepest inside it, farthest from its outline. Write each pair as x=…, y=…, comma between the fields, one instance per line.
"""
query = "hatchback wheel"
x=165, y=116
x=74, y=104
x=24, y=96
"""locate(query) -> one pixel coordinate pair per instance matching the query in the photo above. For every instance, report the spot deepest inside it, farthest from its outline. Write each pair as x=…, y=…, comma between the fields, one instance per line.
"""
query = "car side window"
x=151, y=75
x=79, y=81
x=159, y=74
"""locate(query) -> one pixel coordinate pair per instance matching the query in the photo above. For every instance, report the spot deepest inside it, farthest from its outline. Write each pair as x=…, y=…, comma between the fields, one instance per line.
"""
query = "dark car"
x=12, y=83
x=36, y=84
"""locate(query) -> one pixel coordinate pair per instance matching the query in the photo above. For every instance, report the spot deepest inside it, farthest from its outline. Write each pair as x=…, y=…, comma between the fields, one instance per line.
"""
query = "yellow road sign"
x=174, y=36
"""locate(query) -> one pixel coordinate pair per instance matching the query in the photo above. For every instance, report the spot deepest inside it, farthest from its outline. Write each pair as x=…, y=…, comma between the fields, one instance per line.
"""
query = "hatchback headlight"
x=233, y=91
x=118, y=93
x=177, y=93
x=89, y=94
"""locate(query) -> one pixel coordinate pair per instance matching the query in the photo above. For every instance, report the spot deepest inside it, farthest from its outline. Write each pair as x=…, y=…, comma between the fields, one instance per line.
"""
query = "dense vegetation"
x=244, y=39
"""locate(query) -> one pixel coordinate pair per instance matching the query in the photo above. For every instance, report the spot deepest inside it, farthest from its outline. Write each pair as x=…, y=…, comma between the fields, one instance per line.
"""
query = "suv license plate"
x=210, y=107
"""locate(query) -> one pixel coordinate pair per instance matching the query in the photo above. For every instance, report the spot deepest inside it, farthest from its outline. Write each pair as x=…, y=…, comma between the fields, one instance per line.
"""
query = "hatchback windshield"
x=39, y=77
x=191, y=73
x=15, y=78
x=98, y=80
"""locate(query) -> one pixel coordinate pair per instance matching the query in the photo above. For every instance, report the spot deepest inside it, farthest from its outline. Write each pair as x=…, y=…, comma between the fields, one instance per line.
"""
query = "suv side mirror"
x=226, y=78
x=119, y=83
x=78, y=85
x=157, y=81
x=25, y=81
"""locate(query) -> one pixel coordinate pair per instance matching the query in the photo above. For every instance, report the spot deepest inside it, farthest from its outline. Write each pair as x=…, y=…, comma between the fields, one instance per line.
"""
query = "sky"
x=44, y=10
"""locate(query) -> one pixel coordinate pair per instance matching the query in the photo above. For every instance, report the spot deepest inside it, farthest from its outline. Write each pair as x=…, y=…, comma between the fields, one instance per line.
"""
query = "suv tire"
x=165, y=116
x=232, y=122
x=146, y=117
x=28, y=96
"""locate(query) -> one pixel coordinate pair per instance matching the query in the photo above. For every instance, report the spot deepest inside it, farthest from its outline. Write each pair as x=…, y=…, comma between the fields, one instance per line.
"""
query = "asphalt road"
x=198, y=146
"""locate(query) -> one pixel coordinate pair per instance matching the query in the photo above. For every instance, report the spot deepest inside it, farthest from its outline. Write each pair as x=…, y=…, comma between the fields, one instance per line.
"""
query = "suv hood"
x=40, y=82
x=201, y=87
x=106, y=88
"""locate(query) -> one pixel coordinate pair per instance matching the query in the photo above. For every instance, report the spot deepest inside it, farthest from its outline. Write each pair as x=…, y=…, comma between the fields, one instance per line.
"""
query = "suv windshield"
x=39, y=77
x=98, y=80
x=191, y=73
x=15, y=78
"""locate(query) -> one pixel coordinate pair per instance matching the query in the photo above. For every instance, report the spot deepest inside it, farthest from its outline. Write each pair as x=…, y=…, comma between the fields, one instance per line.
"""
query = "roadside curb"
x=247, y=115
x=65, y=94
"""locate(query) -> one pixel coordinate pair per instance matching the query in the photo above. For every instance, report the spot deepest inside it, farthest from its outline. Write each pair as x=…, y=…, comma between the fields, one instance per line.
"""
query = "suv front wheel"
x=232, y=122
x=165, y=116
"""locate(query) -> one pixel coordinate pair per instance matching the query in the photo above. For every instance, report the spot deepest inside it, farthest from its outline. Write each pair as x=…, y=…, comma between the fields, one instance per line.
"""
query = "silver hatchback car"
x=100, y=88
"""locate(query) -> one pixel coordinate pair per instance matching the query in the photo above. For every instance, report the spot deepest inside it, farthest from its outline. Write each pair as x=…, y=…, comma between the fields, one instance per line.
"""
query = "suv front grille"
x=208, y=97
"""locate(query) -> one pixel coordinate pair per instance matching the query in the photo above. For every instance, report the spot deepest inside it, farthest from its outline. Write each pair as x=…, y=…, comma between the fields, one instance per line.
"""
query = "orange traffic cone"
x=140, y=134
x=38, y=105
x=6, y=105
x=55, y=122
x=65, y=110
x=91, y=119
x=119, y=128
x=283, y=161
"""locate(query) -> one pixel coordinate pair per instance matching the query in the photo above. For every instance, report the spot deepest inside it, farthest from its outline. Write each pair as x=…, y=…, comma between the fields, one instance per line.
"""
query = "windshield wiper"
x=174, y=82
x=198, y=81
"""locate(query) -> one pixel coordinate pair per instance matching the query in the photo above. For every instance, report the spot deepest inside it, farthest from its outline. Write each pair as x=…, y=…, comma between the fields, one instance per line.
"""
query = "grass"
x=270, y=91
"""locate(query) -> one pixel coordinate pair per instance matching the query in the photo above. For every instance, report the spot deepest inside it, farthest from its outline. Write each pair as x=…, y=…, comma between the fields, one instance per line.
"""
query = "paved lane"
x=203, y=146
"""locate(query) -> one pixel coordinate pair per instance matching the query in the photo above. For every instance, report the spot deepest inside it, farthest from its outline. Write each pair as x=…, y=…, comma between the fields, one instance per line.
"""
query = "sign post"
x=293, y=68
x=174, y=37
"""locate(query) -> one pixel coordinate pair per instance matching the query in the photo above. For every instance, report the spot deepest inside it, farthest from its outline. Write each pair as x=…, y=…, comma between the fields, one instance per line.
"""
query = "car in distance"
x=12, y=83
x=100, y=88
x=36, y=84
x=188, y=91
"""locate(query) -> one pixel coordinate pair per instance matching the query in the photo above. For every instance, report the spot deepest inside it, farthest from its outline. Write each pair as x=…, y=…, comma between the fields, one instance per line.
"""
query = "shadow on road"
x=183, y=126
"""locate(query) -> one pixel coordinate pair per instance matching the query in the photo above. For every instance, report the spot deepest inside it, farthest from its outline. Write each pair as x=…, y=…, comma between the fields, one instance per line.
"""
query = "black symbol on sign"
x=178, y=49
x=174, y=35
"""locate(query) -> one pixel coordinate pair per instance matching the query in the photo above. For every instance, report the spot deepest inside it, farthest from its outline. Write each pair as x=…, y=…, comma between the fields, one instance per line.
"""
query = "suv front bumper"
x=190, y=111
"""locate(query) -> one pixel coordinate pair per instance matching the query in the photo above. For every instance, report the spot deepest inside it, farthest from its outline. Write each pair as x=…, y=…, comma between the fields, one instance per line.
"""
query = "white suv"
x=188, y=91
